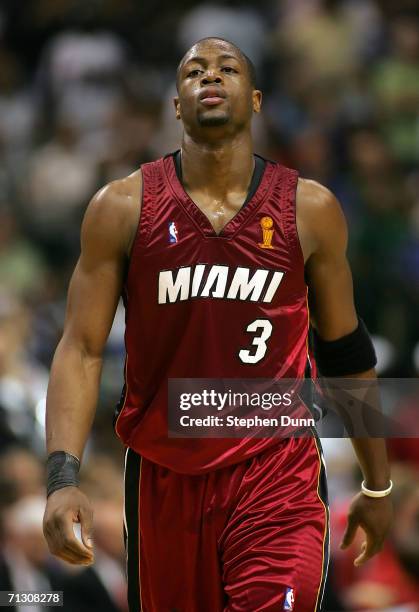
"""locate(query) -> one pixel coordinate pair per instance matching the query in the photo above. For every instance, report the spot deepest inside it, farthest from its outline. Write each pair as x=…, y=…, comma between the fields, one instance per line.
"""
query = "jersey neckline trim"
x=196, y=214
x=260, y=164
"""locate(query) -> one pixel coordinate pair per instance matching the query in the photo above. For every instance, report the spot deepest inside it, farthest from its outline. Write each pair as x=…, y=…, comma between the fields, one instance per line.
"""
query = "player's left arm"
x=324, y=237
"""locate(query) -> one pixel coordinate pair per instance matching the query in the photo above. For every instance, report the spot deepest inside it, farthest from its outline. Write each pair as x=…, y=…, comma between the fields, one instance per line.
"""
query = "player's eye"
x=194, y=73
x=228, y=69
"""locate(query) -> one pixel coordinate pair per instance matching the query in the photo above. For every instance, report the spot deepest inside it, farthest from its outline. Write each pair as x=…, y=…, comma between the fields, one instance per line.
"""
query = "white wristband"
x=371, y=493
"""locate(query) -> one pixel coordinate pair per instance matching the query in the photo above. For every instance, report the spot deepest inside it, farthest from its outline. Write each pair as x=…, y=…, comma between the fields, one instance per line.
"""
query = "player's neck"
x=218, y=168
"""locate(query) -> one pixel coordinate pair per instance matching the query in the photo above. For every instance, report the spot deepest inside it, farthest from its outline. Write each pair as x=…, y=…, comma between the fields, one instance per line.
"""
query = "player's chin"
x=213, y=118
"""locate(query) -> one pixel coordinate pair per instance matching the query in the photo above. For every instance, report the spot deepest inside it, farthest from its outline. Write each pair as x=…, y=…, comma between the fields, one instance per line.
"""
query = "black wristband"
x=351, y=354
x=62, y=471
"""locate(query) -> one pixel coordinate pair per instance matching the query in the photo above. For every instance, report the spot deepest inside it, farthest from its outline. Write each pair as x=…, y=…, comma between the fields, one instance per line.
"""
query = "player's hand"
x=64, y=508
x=375, y=516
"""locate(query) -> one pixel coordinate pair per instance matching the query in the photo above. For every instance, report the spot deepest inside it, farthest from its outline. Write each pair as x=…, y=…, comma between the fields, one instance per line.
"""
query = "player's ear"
x=257, y=100
x=177, y=107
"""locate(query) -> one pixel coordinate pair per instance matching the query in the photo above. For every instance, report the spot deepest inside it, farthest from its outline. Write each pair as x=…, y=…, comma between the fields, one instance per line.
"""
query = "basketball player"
x=193, y=242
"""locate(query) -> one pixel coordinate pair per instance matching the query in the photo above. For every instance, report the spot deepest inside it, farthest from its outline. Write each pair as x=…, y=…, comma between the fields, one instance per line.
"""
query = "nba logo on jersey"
x=172, y=232
x=289, y=600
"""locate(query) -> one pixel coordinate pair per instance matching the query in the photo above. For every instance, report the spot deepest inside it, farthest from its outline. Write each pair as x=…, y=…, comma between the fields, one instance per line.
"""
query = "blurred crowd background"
x=85, y=98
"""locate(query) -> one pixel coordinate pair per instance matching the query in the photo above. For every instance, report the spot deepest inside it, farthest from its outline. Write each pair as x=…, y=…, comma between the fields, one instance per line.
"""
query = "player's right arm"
x=107, y=235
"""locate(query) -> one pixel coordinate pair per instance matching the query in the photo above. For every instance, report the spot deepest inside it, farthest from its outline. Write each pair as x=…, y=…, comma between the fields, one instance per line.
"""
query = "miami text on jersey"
x=218, y=281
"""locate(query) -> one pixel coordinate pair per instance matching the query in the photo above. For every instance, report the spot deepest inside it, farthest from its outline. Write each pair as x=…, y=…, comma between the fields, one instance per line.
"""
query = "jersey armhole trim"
x=148, y=202
x=289, y=213
x=144, y=226
x=148, y=197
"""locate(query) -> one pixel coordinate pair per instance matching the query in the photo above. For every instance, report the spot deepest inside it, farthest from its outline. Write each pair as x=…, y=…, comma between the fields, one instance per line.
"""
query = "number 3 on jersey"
x=263, y=329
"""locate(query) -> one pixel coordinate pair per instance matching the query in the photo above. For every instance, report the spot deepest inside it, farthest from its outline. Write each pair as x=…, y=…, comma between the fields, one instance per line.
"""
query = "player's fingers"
x=64, y=556
x=62, y=541
x=86, y=522
x=76, y=553
x=350, y=532
x=75, y=547
x=52, y=533
x=59, y=548
x=369, y=548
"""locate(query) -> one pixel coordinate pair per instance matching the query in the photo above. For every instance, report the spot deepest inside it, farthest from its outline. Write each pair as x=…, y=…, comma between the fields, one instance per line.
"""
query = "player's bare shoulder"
x=320, y=219
x=112, y=216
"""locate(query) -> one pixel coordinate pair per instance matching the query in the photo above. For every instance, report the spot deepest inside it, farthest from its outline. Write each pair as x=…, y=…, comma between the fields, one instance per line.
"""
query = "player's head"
x=217, y=93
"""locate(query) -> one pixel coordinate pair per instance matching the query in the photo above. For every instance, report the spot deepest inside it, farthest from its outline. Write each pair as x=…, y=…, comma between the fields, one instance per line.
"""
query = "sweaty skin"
x=216, y=102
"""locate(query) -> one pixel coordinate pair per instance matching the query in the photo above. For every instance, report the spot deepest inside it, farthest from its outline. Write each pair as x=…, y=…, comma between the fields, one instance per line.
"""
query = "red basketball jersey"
x=202, y=305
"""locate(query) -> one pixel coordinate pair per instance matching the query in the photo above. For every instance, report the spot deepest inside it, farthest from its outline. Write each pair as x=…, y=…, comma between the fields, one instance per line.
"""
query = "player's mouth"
x=212, y=96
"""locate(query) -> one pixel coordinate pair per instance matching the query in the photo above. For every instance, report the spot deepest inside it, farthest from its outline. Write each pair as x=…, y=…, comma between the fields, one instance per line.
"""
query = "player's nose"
x=211, y=77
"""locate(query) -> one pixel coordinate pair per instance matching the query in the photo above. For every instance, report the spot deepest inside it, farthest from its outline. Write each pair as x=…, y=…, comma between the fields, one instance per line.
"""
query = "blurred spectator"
x=239, y=25
x=23, y=382
x=61, y=178
x=381, y=232
x=23, y=471
x=81, y=75
x=131, y=131
x=17, y=110
x=102, y=479
x=322, y=40
x=312, y=153
x=21, y=265
x=395, y=82
x=25, y=563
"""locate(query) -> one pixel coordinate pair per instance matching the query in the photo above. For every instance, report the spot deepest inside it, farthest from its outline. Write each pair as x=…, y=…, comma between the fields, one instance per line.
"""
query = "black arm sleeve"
x=351, y=354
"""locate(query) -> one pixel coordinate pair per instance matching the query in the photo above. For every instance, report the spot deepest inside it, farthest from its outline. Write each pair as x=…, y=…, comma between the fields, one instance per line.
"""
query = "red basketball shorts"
x=252, y=537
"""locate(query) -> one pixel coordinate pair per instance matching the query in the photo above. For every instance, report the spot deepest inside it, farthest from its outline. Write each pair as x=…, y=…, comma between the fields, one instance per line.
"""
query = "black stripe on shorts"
x=323, y=494
x=131, y=532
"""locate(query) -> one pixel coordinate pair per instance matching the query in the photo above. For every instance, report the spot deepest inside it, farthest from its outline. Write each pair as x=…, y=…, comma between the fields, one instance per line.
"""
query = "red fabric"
x=235, y=539
x=202, y=337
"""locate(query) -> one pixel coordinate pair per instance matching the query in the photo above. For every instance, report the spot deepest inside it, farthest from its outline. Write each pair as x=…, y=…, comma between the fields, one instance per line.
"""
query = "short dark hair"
x=251, y=70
